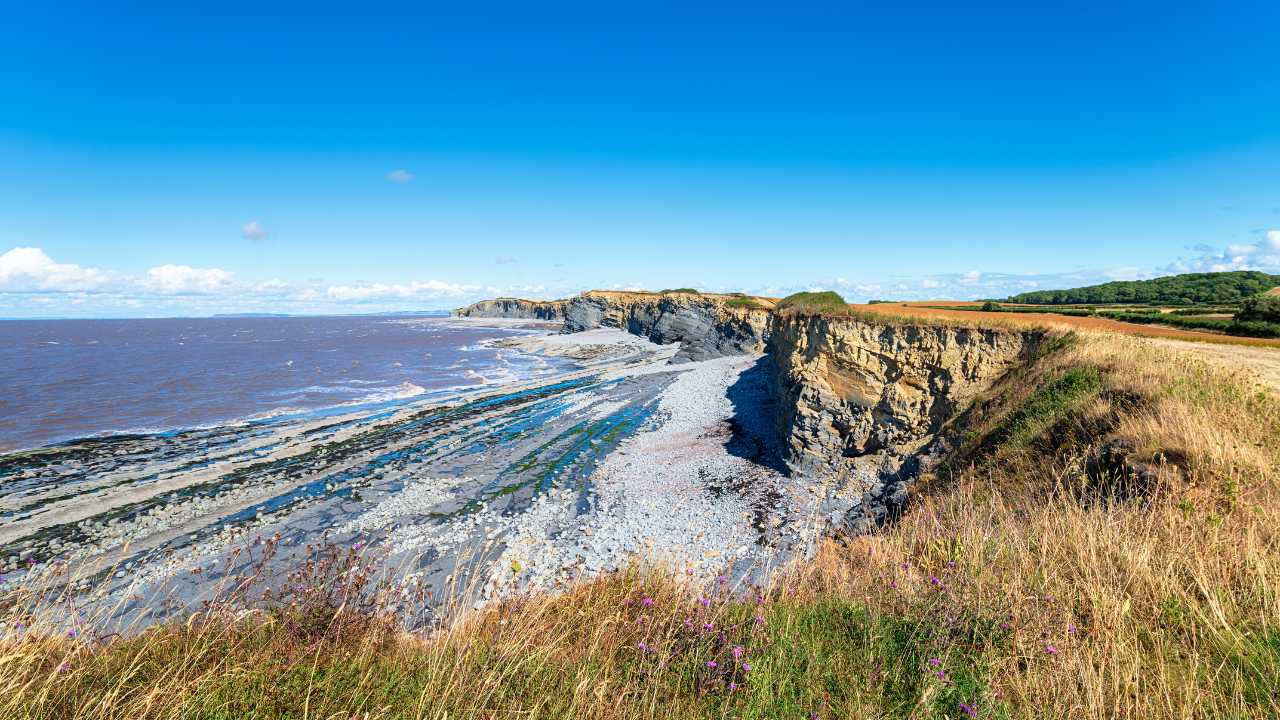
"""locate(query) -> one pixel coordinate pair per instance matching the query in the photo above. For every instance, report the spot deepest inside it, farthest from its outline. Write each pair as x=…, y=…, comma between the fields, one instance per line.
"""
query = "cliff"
x=549, y=310
x=862, y=400
x=705, y=325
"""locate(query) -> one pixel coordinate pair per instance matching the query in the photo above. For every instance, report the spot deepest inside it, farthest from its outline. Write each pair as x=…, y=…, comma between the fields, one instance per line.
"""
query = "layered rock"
x=861, y=399
x=549, y=310
x=705, y=325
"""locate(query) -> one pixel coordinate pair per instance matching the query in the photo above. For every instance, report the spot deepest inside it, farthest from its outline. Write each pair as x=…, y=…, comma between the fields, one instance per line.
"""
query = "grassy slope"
x=1023, y=582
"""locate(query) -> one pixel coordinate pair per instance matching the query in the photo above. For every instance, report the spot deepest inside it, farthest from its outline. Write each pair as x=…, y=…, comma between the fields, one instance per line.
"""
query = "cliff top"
x=730, y=299
x=969, y=315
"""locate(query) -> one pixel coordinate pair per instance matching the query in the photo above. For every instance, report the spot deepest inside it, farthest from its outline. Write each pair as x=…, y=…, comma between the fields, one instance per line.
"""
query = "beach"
x=471, y=496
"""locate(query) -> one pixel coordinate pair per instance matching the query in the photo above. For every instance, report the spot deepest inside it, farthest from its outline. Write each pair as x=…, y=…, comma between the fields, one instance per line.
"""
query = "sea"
x=62, y=380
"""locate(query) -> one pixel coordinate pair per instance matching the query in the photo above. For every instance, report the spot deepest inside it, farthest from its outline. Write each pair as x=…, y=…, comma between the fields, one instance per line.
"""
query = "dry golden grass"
x=1016, y=585
x=922, y=311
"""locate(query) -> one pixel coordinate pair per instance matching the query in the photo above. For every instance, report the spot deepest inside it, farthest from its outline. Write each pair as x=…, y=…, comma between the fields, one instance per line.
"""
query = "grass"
x=814, y=303
x=1010, y=588
x=746, y=303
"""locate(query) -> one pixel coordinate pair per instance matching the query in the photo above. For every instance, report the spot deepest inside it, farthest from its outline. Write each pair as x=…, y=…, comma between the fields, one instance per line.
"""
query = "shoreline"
x=453, y=490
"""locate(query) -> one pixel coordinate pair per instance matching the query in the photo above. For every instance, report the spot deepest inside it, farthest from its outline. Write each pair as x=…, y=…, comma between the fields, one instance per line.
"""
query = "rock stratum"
x=705, y=325
x=852, y=387
x=862, y=402
x=515, y=308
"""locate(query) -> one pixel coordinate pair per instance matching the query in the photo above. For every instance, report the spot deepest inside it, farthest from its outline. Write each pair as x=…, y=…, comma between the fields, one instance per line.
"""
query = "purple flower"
x=706, y=602
x=65, y=666
x=737, y=651
x=942, y=674
x=647, y=602
x=952, y=564
x=688, y=623
x=904, y=566
x=732, y=686
x=711, y=664
x=722, y=580
x=759, y=619
x=1005, y=626
x=933, y=579
x=71, y=632
x=708, y=626
x=1051, y=650
x=1071, y=628
x=746, y=667
x=643, y=647
x=935, y=662
x=969, y=710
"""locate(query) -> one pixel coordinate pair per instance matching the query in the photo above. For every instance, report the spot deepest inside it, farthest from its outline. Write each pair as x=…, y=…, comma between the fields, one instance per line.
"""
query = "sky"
x=198, y=158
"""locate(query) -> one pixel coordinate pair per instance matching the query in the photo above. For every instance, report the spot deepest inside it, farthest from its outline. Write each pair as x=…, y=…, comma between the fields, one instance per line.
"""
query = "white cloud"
x=427, y=290
x=1261, y=255
x=1271, y=241
x=29, y=269
x=400, y=175
x=186, y=280
x=1127, y=273
x=34, y=284
x=254, y=231
x=504, y=260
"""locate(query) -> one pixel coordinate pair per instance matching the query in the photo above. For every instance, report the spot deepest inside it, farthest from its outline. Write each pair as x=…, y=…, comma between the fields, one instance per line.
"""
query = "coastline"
x=455, y=491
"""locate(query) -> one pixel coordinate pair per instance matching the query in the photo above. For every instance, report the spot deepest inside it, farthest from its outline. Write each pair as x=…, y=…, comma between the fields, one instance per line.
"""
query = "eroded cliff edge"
x=705, y=325
x=516, y=308
x=862, y=401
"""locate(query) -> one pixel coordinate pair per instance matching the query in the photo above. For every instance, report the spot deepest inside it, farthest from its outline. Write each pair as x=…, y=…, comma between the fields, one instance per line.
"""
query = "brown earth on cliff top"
x=926, y=309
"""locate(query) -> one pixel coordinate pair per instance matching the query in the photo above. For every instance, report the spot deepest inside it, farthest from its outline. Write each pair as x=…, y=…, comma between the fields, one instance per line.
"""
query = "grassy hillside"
x=1104, y=542
x=1188, y=289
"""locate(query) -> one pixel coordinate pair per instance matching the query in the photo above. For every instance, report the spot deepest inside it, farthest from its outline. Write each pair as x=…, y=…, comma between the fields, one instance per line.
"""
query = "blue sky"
x=160, y=160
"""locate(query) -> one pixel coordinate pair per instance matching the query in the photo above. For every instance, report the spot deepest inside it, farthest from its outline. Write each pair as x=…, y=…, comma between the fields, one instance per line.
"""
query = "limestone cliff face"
x=850, y=387
x=549, y=310
x=705, y=325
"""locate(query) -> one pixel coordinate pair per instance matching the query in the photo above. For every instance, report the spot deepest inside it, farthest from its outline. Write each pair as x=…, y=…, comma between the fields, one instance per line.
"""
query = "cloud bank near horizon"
x=33, y=284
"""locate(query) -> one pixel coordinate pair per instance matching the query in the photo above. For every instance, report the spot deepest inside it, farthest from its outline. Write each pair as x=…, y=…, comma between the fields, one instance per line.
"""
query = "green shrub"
x=688, y=291
x=989, y=306
x=816, y=303
x=1242, y=328
x=1264, y=308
